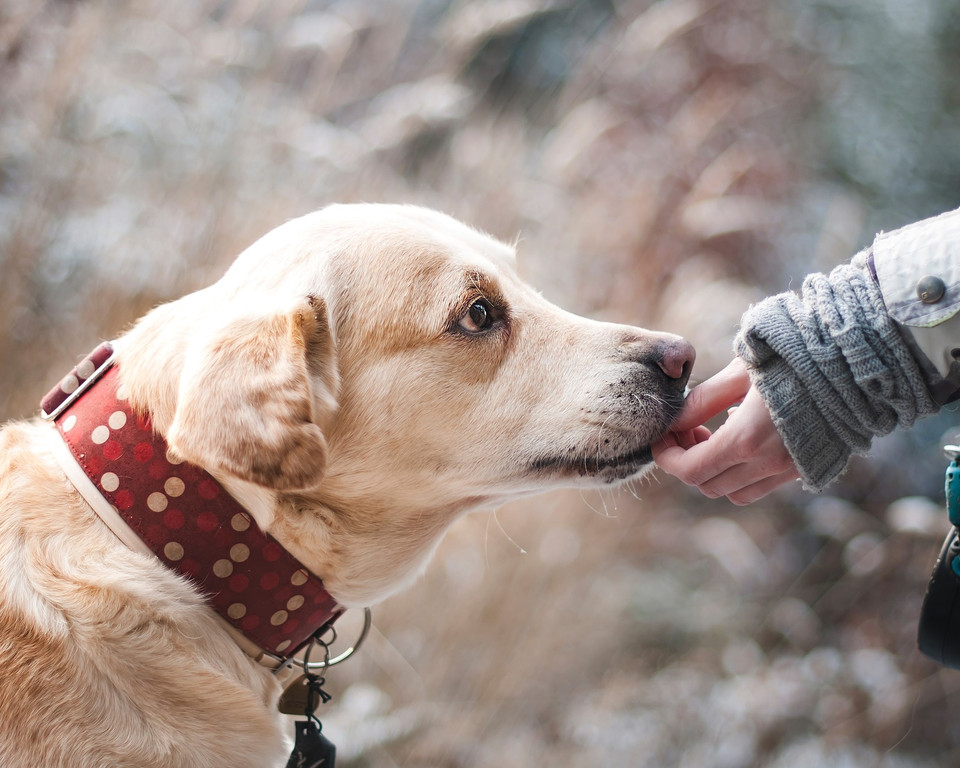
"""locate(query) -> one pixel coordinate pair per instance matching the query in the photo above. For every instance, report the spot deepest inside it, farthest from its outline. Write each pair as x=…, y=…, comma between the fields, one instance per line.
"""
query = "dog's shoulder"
x=101, y=640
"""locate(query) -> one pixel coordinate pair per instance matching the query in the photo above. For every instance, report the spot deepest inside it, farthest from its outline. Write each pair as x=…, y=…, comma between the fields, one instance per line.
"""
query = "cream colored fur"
x=335, y=381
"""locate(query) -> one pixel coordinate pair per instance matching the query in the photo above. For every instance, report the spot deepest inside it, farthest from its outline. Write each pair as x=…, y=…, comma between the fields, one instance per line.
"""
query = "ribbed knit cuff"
x=833, y=369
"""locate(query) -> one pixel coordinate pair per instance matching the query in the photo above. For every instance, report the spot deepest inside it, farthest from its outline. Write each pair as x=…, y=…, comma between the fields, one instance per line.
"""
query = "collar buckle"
x=75, y=383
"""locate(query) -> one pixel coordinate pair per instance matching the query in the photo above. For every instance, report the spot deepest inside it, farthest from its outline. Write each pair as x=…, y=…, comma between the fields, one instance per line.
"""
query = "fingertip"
x=693, y=413
x=658, y=449
x=669, y=440
x=678, y=439
x=672, y=460
x=701, y=434
x=712, y=397
x=690, y=438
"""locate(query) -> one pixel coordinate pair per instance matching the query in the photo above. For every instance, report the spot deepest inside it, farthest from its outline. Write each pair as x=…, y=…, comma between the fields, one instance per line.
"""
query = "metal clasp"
x=82, y=384
x=951, y=484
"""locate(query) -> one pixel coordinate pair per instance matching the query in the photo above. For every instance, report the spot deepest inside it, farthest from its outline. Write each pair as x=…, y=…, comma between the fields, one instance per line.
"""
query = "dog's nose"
x=671, y=355
x=675, y=358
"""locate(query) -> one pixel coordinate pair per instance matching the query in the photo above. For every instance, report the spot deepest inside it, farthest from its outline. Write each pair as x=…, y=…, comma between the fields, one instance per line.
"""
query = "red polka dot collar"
x=183, y=515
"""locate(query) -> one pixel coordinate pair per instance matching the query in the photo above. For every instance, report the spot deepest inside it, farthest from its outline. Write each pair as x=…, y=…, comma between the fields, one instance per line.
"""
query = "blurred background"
x=664, y=164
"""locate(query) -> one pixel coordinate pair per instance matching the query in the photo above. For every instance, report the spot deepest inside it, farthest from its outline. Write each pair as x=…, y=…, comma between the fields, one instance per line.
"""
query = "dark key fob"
x=312, y=748
x=939, y=632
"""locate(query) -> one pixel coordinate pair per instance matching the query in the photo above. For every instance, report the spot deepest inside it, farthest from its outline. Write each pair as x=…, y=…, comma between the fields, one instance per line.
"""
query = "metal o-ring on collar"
x=310, y=666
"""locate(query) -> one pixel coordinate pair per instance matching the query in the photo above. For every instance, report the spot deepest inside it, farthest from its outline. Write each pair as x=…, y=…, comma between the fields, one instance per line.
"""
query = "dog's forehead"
x=457, y=233
x=403, y=245
x=419, y=233
x=342, y=248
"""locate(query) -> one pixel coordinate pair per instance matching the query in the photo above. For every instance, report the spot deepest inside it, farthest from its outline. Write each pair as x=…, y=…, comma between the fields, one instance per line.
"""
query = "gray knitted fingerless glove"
x=832, y=368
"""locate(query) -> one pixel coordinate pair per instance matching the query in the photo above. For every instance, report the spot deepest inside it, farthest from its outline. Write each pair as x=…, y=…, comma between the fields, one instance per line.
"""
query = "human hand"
x=744, y=459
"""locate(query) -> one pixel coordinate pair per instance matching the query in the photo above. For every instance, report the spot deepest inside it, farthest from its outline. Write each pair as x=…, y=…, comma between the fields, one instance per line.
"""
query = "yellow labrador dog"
x=356, y=381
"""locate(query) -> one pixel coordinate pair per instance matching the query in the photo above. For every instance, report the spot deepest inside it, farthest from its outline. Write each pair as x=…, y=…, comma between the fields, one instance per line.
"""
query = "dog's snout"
x=676, y=360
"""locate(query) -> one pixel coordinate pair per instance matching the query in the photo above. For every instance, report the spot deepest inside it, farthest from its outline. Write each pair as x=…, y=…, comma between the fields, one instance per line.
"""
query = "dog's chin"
x=594, y=469
x=624, y=457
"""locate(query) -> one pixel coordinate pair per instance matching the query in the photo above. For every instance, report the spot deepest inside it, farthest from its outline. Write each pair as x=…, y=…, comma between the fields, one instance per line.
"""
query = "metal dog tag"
x=295, y=697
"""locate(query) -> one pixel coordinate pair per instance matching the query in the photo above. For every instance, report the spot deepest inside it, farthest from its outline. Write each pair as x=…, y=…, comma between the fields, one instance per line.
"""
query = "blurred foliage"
x=662, y=162
x=887, y=121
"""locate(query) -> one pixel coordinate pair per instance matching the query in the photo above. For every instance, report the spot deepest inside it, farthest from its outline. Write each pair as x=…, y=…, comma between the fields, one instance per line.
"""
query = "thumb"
x=721, y=391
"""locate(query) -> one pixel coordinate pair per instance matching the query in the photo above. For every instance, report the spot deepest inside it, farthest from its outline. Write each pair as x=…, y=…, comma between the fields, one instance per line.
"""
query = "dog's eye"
x=479, y=317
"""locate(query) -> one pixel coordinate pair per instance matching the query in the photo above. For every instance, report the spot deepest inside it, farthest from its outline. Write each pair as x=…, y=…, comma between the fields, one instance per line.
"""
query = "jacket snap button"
x=930, y=289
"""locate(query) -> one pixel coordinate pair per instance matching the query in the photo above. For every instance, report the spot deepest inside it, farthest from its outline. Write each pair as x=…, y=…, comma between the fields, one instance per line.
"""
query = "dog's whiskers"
x=503, y=530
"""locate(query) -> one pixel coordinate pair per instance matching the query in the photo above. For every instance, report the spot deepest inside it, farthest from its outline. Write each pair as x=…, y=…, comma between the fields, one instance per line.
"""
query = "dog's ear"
x=253, y=396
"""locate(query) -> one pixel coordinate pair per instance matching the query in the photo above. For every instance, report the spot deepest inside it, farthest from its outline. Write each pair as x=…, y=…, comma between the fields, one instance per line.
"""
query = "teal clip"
x=951, y=484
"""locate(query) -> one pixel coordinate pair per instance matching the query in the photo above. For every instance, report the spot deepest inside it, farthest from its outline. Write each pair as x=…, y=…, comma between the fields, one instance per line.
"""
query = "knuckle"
x=673, y=463
x=710, y=491
x=741, y=498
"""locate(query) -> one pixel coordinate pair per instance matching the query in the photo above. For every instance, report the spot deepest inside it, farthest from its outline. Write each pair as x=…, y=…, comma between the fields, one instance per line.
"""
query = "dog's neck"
x=182, y=515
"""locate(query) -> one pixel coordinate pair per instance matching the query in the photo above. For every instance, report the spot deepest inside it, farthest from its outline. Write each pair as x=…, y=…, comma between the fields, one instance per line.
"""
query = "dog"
x=357, y=380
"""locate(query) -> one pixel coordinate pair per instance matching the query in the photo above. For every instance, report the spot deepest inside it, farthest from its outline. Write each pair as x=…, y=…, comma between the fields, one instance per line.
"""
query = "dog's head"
x=382, y=369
